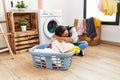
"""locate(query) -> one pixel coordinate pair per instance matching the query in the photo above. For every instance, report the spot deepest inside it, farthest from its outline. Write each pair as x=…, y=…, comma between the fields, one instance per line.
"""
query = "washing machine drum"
x=50, y=26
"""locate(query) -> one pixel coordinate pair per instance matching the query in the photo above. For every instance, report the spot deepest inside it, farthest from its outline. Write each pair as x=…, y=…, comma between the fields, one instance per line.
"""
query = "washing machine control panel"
x=50, y=13
x=44, y=13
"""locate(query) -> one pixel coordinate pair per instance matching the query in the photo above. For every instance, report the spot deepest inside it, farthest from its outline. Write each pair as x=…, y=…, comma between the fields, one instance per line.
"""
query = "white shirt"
x=74, y=34
x=61, y=47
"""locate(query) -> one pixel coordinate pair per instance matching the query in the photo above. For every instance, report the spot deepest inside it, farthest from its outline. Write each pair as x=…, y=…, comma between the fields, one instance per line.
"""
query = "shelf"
x=23, y=40
x=23, y=12
x=26, y=33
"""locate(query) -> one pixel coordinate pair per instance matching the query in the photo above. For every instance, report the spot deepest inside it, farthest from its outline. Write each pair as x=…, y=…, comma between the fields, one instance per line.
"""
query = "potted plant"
x=23, y=24
x=21, y=6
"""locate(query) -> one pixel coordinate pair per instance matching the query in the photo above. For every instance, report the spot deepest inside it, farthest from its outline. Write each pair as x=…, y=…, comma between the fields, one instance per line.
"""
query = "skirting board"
x=111, y=43
x=3, y=50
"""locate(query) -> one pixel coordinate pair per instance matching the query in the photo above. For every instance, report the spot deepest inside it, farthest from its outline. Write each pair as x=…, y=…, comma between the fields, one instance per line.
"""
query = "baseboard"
x=3, y=47
x=111, y=43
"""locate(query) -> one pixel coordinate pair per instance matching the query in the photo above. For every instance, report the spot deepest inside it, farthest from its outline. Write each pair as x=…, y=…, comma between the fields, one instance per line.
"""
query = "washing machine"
x=48, y=20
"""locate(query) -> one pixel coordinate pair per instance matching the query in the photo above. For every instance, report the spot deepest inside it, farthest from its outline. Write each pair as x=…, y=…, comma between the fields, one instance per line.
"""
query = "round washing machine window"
x=50, y=25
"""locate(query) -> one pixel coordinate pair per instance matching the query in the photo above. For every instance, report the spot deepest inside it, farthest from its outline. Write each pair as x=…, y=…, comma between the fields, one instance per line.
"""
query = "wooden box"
x=20, y=40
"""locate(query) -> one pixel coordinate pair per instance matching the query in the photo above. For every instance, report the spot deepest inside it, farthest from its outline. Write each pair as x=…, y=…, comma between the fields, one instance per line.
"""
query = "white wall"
x=111, y=33
x=74, y=9
x=71, y=9
x=61, y=5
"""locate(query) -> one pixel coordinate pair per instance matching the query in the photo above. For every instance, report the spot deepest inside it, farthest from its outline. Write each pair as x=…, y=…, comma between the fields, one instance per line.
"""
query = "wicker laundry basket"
x=57, y=61
x=93, y=42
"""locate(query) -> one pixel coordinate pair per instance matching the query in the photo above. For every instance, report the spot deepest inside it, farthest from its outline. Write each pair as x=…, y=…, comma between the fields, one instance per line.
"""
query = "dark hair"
x=59, y=30
x=69, y=30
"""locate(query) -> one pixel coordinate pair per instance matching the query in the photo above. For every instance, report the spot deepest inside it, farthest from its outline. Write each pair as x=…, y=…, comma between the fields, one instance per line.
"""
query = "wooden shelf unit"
x=22, y=40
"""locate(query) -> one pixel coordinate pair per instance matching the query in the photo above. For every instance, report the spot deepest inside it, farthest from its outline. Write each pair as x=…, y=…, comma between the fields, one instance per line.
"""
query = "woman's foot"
x=81, y=53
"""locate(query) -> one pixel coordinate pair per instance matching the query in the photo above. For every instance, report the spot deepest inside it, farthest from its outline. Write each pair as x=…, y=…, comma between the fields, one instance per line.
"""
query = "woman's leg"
x=81, y=44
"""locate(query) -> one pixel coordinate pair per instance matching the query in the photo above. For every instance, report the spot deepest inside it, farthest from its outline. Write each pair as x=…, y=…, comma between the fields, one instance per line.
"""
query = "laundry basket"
x=57, y=61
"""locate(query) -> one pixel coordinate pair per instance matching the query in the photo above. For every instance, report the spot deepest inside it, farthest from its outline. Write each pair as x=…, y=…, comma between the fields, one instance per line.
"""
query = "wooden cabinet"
x=21, y=41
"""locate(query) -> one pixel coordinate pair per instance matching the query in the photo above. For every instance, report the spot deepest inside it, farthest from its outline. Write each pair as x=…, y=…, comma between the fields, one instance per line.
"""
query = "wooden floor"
x=100, y=62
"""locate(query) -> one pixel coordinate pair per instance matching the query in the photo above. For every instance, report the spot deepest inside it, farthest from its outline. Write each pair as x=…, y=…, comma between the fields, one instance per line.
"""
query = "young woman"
x=69, y=34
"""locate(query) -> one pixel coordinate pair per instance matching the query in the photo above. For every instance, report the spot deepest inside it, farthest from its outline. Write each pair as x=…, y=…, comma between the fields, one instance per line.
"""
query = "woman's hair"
x=59, y=30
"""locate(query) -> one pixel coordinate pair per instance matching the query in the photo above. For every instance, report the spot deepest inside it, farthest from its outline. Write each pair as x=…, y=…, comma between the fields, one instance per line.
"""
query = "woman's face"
x=65, y=34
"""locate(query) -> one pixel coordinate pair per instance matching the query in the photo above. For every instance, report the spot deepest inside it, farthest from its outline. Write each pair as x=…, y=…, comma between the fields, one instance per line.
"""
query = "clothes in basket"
x=59, y=61
x=49, y=50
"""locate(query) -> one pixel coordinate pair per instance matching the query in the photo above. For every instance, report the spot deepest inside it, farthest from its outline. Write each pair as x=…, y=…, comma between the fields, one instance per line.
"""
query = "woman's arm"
x=65, y=39
x=72, y=39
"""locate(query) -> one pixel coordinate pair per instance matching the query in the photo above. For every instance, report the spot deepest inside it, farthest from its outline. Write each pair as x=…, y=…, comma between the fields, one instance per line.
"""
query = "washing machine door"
x=50, y=25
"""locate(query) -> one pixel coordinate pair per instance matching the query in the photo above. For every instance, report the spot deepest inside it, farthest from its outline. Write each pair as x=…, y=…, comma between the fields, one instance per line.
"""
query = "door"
x=50, y=26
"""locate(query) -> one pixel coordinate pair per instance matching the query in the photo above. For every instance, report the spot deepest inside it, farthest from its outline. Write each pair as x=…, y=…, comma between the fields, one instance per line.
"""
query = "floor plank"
x=100, y=62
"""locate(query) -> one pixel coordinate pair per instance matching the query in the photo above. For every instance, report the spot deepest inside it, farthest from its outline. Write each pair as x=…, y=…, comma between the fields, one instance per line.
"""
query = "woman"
x=69, y=34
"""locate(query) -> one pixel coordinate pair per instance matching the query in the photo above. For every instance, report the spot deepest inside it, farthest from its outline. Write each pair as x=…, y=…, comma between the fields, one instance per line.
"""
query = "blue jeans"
x=81, y=44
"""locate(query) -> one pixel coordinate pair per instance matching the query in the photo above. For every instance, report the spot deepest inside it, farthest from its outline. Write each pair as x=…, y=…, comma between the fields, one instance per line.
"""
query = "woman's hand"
x=65, y=39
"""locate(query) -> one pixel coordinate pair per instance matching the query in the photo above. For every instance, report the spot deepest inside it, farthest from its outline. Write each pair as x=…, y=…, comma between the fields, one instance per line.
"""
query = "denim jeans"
x=81, y=44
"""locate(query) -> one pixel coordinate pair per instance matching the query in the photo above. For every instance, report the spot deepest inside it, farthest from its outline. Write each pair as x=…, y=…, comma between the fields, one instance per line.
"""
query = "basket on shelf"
x=57, y=61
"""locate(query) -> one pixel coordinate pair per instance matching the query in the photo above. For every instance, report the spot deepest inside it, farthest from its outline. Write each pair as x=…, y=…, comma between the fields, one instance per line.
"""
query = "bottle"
x=12, y=7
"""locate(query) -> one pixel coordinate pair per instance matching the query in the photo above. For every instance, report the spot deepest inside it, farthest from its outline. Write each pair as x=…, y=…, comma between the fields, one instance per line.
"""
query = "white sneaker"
x=82, y=53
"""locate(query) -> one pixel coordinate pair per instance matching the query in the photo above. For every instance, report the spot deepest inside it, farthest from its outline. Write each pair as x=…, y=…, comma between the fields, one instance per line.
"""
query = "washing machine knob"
x=51, y=14
x=44, y=13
